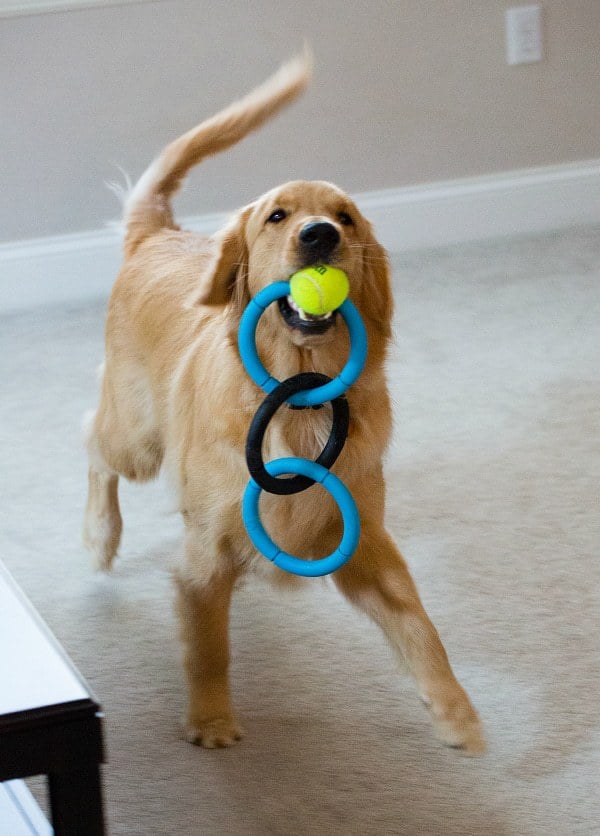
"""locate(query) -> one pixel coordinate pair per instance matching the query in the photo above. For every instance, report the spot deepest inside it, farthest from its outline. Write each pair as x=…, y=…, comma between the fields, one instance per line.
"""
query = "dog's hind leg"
x=103, y=524
x=122, y=440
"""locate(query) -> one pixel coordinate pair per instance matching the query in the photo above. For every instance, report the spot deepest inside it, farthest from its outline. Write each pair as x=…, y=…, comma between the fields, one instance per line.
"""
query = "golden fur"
x=174, y=392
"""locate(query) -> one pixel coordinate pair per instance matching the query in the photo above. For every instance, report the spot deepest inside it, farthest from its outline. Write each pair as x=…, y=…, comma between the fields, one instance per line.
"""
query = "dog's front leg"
x=377, y=580
x=204, y=614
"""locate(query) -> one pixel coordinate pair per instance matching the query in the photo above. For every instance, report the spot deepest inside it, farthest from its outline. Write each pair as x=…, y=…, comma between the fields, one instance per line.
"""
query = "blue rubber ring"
x=255, y=368
x=344, y=500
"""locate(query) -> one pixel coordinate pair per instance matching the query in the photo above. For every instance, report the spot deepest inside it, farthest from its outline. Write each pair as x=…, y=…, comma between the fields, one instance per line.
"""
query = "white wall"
x=405, y=92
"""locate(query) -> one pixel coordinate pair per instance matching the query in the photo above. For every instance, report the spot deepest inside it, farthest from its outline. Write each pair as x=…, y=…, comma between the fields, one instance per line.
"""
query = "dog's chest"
x=299, y=433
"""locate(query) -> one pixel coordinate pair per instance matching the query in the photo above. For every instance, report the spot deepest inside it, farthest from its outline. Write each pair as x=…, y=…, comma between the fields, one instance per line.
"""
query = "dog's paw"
x=457, y=724
x=217, y=733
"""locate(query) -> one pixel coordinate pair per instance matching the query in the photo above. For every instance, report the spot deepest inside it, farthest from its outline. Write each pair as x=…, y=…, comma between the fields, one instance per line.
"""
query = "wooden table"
x=50, y=723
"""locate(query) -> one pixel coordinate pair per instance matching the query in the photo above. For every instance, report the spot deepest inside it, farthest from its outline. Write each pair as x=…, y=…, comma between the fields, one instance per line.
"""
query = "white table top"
x=33, y=671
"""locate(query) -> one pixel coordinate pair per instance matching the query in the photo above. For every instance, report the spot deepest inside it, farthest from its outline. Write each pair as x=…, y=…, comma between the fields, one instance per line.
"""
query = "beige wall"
x=406, y=91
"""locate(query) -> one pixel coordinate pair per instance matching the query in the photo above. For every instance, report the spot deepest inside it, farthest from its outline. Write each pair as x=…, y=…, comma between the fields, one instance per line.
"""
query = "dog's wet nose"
x=318, y=240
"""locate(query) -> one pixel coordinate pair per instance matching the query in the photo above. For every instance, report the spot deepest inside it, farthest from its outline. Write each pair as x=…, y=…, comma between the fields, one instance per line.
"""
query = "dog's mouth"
x=299, y=320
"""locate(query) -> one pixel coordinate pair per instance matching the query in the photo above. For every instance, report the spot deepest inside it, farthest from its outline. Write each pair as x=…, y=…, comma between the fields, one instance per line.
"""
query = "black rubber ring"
x=339, y=432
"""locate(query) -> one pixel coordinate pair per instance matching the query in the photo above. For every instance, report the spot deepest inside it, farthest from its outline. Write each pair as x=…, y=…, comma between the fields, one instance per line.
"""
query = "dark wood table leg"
x=76, y=802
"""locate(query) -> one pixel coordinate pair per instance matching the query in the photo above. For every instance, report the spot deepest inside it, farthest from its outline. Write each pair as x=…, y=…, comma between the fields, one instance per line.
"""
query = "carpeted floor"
x=494, y=499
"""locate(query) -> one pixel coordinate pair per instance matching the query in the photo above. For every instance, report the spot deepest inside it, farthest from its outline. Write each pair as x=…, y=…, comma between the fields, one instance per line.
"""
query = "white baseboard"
x=70, y=269
x=526, y=202
x=37, y=7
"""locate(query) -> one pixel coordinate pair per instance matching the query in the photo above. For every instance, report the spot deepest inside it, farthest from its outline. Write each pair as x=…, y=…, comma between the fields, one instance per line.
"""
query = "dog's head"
x=294, y=226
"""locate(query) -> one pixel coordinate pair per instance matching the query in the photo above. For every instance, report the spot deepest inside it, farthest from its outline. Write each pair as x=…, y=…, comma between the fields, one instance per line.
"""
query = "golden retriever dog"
x=174, y=393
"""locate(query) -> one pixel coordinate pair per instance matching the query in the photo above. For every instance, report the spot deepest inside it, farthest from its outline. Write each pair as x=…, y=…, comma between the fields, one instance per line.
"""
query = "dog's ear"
x=225, y=278
x=377, y=301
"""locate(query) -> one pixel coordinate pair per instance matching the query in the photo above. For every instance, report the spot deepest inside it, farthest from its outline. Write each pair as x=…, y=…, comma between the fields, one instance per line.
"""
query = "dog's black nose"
x=318, y=240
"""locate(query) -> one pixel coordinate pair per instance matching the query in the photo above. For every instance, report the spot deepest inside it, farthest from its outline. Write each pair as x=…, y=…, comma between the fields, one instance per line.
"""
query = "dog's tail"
x=147, y=209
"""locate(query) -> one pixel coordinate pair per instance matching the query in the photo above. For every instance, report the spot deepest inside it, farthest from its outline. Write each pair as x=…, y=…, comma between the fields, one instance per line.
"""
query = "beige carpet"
x=494, y=498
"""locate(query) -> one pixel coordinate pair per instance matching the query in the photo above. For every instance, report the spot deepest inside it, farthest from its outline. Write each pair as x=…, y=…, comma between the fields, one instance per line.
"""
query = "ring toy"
x=301, y=391
x=262, y=378
x=344, y=500
x=268, y=408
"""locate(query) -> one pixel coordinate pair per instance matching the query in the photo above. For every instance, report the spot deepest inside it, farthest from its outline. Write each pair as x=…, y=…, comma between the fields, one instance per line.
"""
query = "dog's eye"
x=277, y=216
x=345, y=219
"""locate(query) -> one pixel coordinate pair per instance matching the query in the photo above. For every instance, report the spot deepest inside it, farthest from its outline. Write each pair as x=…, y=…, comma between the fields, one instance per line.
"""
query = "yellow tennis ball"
x=319, y=290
